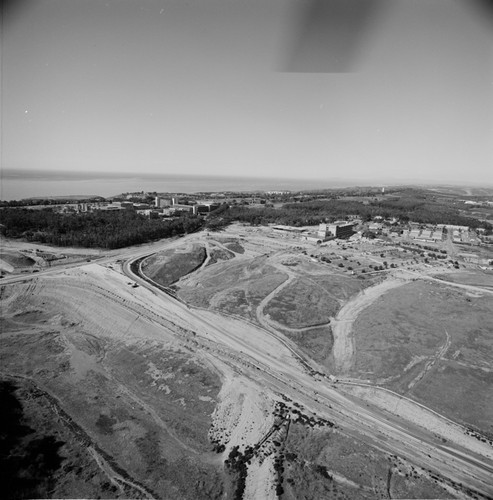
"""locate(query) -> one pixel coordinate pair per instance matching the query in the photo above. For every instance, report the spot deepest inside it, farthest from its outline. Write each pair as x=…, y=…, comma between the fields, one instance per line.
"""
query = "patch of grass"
x=172, y=382
x=39, y=456
x=316, y=453
x=410, y=325
x=105, y=424
x=235, y=287
x=168, y=267
x=474, y=278
x=460, y=392
x=316, y=342
x=217, y=254
x=413, y=320
x=302, y=304
x=235, y=247
x=313, y=299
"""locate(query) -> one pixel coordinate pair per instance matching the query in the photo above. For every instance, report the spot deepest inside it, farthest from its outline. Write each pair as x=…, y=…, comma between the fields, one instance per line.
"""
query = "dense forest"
x=417, y=208
x=92, y=230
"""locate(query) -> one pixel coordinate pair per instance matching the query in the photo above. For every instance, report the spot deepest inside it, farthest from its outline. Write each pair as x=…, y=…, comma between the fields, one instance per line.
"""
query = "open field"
x=316, y=343
x=461, y=392
x=432, y=342
x=235, y=286
x=312, y=299
x=470, y=277
x=302, y=304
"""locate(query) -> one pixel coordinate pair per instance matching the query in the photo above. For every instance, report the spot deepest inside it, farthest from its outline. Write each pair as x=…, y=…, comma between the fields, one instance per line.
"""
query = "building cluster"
x=356, y=229
x=325, y=232
x=171, y=206
x=161, y=207
x=461, y=234
x=428, y=235
x=478, y=203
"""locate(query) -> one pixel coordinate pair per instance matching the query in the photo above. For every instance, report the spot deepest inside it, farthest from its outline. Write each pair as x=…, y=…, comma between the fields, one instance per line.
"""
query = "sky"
x=207, y=87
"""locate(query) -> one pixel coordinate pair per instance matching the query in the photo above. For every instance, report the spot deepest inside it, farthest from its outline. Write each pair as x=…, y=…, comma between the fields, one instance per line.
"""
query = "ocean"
x=18, y=185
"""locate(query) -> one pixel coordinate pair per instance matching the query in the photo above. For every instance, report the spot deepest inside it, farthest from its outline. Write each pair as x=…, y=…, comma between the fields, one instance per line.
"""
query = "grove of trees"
x=99, y=229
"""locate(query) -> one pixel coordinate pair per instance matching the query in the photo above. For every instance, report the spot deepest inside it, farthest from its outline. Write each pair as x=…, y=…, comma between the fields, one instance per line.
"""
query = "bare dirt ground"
x=167, y=400
x=120, y=375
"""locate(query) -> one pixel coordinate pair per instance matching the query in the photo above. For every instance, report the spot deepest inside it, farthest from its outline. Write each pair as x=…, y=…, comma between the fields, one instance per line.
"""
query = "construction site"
x=243, y=363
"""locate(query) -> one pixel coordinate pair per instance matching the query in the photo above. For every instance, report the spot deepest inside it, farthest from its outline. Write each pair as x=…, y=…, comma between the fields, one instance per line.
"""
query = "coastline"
x=35, y=184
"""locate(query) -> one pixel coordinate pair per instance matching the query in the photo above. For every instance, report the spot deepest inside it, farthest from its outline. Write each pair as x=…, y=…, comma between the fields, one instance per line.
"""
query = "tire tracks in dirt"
x=431, y=362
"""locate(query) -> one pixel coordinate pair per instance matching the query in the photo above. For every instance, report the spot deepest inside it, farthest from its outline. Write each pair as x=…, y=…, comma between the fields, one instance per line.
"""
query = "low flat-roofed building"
x=181, y=208
x=113, y=208
x=288, y=229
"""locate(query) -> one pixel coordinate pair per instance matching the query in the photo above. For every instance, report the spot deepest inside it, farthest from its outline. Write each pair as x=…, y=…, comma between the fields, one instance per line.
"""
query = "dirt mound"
x=16, y=259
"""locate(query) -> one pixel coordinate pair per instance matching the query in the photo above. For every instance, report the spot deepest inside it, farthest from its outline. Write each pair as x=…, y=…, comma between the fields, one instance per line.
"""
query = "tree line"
x=99, y=229
x=314, y=212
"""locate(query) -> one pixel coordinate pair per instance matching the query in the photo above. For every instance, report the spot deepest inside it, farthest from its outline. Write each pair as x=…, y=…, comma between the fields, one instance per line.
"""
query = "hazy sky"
x=190, y=86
